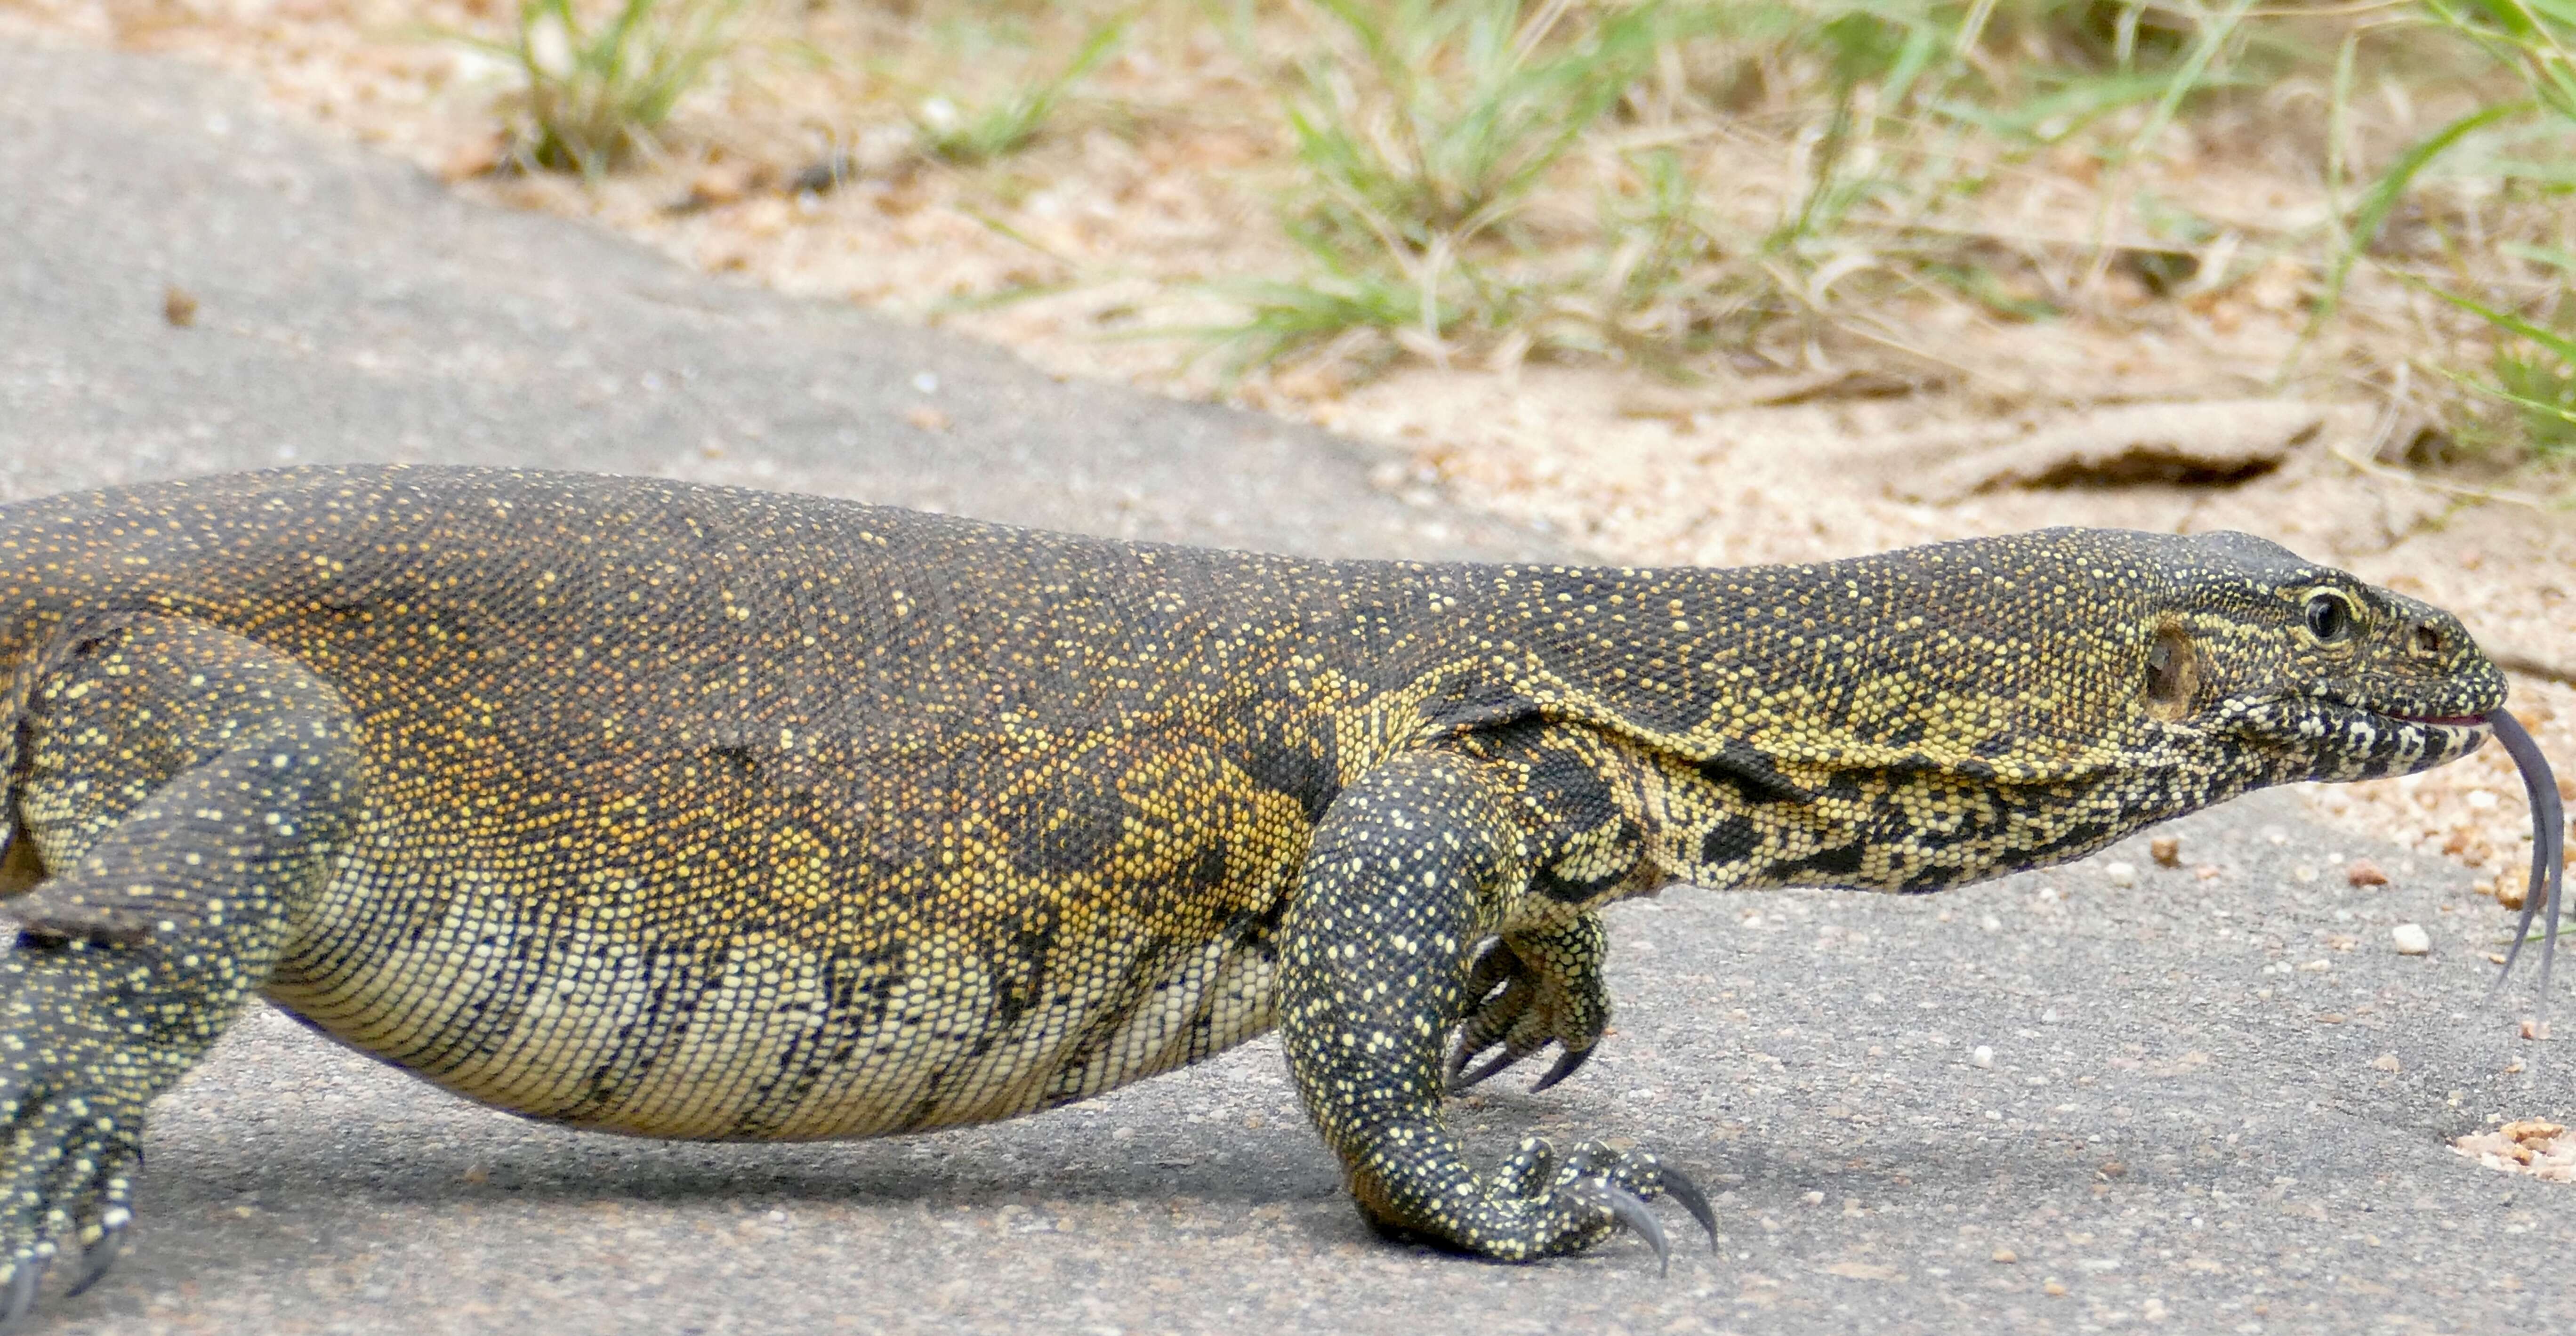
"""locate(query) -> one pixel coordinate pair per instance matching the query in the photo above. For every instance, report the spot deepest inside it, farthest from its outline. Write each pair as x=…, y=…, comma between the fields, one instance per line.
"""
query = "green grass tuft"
x=968, y=135
x=599, y=89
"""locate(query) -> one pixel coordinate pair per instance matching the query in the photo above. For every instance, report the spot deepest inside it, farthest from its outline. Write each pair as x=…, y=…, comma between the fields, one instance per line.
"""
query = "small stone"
x=2166, y=850
x=2363, y=872
x=926, y=418
x=2411, y=939
x=2120, y=874
x=2006, y=1255
x=2053, y=1290
x=2387, y=1062
x=1813, y=1199
x=722, y=183
x=178, y=307
x=1983, y=1057
x=2533, y=1029
x=477, y=156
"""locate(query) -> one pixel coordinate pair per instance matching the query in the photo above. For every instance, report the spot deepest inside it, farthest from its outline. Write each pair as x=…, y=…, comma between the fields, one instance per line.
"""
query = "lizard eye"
x=2330, y=617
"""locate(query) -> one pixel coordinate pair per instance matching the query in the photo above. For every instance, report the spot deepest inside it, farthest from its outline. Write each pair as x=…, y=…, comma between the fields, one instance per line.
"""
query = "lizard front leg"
x=185, y=789
x=1408, y=869
x=1531, y=989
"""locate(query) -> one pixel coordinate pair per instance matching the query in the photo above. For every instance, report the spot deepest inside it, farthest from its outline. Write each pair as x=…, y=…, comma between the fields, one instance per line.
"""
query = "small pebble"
x=1983, y=1057
x=2363, y=872
x=2053, y=1290
x=2387, y=1062
x=2120, y=874
x=178, y=307
x=2532, y=1029
x=1814, y=1199
x=2411, y=938
x=2006, y=1255
x=2166, y=850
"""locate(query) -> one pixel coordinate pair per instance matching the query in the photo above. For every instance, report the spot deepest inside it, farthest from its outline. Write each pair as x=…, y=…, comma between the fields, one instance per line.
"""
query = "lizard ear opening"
x=2173, y=674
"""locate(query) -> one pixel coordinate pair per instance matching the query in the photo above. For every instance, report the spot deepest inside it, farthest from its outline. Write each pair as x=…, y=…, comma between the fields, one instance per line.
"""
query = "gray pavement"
x=2180, y=1125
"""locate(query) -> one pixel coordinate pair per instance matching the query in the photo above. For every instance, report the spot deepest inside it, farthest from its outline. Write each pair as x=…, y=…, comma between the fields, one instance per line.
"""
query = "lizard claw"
x=99, y=1256
x=1693, y=1200
x=1483, y=1070
x=1633, y=1212
x=23, y=1280
x=1523, y=998
x=1566, y=1062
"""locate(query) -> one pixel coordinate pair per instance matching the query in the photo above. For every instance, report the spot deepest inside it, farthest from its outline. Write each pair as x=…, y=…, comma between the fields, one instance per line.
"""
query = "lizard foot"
x=68, y=1146
x=1527, y=995
x=1550, y=1206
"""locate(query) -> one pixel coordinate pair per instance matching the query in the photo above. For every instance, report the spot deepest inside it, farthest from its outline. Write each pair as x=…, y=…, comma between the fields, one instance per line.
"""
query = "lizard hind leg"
x=187, y=789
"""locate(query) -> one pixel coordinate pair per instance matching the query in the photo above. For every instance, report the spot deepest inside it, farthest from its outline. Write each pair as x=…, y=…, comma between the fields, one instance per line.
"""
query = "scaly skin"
x=717, y=814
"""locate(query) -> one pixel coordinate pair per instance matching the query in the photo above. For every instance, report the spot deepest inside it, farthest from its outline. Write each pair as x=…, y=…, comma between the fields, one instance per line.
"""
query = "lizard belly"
x=557, y=1008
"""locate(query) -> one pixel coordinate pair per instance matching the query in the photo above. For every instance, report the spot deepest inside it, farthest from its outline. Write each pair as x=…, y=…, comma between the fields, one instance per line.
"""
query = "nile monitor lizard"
x=717, y=814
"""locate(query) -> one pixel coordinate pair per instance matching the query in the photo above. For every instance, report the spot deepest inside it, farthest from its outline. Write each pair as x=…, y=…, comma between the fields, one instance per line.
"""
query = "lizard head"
x=2312, y=674
x=2293, y=671
x=1934, y=716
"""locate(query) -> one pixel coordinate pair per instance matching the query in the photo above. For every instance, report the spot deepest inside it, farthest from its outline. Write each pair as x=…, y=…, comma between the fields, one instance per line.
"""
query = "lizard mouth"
x=2444, y=720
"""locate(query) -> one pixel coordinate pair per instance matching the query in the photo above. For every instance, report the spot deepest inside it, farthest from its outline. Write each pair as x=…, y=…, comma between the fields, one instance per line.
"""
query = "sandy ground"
x=1971, y=426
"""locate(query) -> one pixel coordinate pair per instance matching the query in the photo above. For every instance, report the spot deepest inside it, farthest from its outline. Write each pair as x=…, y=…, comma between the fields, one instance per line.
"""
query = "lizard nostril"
x=2429, y=642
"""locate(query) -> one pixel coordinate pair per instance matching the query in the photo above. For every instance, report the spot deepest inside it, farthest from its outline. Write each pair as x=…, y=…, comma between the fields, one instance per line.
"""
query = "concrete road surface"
x=2051, y=1104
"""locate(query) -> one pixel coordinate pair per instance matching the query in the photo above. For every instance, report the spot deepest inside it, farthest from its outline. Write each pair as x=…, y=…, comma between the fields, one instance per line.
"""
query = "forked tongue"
x=2548, y=849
